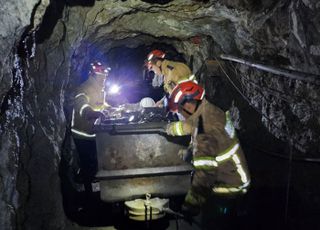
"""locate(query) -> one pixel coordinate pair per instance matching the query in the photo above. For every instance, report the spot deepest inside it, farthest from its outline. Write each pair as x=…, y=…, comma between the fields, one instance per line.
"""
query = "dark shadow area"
x=128, y=71
x=80, y=2
x=80, y=206
x=283, y=195
x=161, y=2
x=53, y=13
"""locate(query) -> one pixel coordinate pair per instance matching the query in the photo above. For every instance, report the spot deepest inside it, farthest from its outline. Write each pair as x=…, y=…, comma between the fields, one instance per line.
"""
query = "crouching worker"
x=220, y=168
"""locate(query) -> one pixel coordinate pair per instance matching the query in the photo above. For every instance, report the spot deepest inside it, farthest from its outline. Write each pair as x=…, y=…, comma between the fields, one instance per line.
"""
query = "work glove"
x=159, y=104
x=163, y=102
x=169, y=129
x=186, y=154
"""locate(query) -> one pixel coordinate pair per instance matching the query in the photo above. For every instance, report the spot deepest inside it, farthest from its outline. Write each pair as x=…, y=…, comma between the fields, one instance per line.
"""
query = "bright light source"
x=114, y=89
x=131, y=118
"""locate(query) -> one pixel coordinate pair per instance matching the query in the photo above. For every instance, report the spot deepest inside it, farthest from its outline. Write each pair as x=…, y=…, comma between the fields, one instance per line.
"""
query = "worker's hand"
x=92, y=115
x=159, y=104
x=185, y=154
x=163, y=102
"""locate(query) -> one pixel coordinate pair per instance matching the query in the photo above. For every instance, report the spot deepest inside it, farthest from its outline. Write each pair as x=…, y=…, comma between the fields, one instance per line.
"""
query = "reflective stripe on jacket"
x=179, y=128
x=230, y=154
x=90, y=96
x=215, y=147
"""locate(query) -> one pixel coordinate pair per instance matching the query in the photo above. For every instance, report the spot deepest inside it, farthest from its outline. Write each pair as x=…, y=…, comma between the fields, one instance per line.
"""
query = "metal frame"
x=144, y=172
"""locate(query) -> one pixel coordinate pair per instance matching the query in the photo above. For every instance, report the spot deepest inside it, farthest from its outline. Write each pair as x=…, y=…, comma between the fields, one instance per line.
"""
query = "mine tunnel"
x=257, y=61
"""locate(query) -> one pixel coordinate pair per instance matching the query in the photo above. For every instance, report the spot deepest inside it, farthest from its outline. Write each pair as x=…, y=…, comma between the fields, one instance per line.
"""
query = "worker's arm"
x=163, y=102
x=83, y=107
x=179, y=128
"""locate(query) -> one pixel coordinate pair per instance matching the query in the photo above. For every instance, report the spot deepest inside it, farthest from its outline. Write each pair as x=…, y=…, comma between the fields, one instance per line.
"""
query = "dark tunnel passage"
x=129, y=72
x=258, y=62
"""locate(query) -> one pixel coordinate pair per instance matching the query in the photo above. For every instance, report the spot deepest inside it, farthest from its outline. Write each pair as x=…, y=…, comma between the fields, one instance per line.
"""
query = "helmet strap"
x=197, y=104
x=186, y=111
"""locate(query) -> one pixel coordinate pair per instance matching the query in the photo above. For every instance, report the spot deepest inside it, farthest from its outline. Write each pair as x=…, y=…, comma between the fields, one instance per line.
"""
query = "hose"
x=292, y=74
x=311, y=160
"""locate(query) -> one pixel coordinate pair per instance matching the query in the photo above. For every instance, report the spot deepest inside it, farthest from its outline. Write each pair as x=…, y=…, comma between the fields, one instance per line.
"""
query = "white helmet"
x=147, y=102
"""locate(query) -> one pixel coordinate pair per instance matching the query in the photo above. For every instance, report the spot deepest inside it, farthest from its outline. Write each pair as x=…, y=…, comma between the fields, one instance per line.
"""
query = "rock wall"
x=286, y=36
x=17, y=18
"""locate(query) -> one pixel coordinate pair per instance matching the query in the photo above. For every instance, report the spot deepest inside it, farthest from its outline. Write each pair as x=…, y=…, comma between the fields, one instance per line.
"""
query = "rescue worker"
x=169, y=72
x=219, y=163
x=89, y=100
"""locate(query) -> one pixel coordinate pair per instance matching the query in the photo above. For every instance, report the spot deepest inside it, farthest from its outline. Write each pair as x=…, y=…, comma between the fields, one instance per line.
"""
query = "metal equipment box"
x=135, y=159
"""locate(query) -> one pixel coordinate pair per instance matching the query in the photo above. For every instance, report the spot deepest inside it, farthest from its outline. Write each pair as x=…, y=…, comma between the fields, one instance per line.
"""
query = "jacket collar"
x=199, y=110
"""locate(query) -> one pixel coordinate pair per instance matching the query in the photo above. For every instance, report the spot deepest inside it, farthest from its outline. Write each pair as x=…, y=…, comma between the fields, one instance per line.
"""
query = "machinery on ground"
x=135, y=158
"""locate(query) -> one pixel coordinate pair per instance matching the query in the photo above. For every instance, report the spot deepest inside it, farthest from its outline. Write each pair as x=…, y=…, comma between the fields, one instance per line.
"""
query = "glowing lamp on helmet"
x=98, y=68
x=150, y=56
x=107, y=70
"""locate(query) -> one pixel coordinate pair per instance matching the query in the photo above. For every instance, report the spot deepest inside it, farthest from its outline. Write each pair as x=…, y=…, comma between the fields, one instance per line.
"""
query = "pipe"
x=293, y=74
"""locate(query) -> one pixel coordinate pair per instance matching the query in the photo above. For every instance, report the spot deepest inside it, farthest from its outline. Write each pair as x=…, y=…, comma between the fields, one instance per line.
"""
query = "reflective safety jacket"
x=216, y=150
x=89, y=96
x=174, y=72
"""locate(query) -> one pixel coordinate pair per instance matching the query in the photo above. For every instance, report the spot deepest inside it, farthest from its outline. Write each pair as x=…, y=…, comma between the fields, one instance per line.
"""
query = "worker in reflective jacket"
x=89, y=100
x=167, y=72
x=220, y=165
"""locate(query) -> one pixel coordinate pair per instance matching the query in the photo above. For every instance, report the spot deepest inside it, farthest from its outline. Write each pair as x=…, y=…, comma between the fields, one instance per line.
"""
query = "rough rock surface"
x=40, y=64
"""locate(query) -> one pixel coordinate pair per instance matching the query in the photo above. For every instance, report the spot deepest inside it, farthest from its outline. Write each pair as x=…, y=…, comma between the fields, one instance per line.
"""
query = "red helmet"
x=97, y=67
x=183, y=92
x=152, y=55
x=155, y=54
